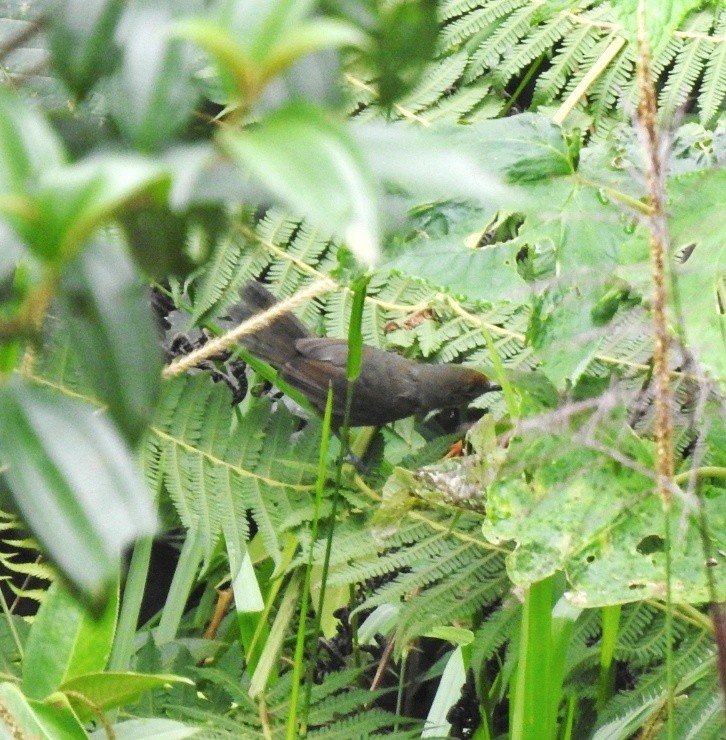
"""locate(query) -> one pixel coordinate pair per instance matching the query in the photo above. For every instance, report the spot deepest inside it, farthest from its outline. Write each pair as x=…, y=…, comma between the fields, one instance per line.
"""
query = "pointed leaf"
x=74, y=482
x=81, y=36
x=37, y=720
x=109, y=690
x=154, y=90
x=81, y=643
x=306, y=159
x=74, y=201
x=109, y=319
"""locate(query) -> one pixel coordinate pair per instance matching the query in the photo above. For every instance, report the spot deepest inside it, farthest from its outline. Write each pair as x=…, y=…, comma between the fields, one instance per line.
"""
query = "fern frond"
x=474, y=586
x=687, y=68
x=479, y=19
x=435, y=82
x=217, y=465
x=496, y=631
x=642, y=637
x=694, y=670
x=305, y=247
x=453, y=572
x=543, y=38
x=235, y=260
x=469, y=104
x=505, y=39
x=454, y=8
x=578, y=51
x=611, y=89
x=369, y=723
x=702, y=717
x=713, y=89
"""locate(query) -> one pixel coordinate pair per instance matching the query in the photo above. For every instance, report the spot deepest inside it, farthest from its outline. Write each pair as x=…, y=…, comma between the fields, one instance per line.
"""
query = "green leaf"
x=153, y=93
x=488, y=273
x=157, y=236
x=438, y=165
x=526, y=148
x=81, y=643
x=81, y=36
x=696, y=207
x=73, y=201
x=260, y=25
x=109, y=690
x=109, y=318
x=306, y=158
x=406, y=40
x=74, y=482
x=563, y=332
x=696, y=234
x=147, y=729
x=310, y=37
x=28, y=147
x=629, y=563
x=577, y=510
x=37, y=720
x=253, y=42
x=661, y=19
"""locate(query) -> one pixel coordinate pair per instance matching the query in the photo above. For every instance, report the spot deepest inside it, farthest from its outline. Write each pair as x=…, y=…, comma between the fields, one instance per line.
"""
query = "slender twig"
x=250, y=326
x=34, y=27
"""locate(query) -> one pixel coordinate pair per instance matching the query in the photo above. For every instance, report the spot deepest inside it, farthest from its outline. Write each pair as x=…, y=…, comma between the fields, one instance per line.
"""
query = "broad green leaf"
x=81, y=642
x=158, y=236
x=630, y=564
x=154, y=93
x=38, y=720
x=73, y=201
x=260, y=25
x=526, y=148
x=698, y=255
x=110, y=323
x=696, y=209
x=437, y=165
x=563, y=333
x=28, y=147
x=74, y=482
x=312, y=36
x=573, y=509
x=109, y=690
x=572, y=216
x=147, y=729
x=660, y=18
x=252, y=42
x=487, y=273
x=237, y=77
x=306, y=158
x=81, y=36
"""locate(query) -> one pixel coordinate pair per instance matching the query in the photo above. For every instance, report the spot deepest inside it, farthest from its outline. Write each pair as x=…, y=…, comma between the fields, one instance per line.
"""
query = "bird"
x=389, y=386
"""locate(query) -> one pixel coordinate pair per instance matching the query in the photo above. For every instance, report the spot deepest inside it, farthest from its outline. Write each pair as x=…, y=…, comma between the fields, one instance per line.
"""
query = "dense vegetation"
x=532, y=189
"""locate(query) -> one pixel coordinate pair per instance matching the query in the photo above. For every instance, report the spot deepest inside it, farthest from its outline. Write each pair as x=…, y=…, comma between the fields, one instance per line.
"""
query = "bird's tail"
x=274, y=343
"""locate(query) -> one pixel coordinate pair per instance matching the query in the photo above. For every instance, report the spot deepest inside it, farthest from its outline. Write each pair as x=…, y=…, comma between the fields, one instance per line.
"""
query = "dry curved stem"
x=250, y=326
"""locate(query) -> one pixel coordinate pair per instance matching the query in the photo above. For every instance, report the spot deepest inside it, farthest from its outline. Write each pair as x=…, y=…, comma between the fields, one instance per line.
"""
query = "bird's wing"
x=312, y=377
x=325, y=350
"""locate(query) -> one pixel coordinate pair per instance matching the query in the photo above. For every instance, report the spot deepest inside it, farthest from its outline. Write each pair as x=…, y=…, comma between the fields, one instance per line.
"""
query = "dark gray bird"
x=389, y=387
